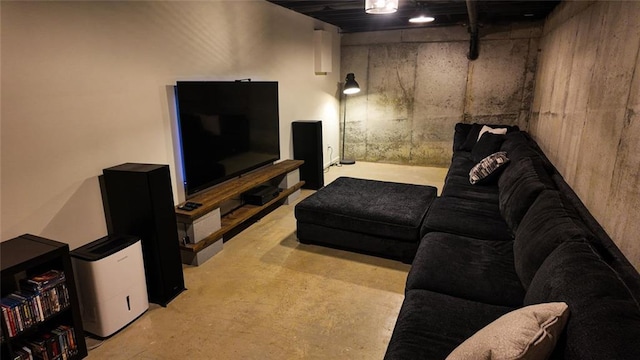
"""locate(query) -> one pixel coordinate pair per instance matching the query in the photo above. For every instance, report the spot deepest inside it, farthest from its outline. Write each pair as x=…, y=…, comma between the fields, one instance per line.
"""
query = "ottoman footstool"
x=369, y=216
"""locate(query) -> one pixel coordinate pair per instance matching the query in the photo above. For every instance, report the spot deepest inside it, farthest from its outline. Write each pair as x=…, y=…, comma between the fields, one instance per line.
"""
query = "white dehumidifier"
x=111, y=283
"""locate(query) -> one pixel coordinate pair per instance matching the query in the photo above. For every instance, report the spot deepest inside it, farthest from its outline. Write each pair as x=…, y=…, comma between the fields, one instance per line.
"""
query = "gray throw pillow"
x=527, y=333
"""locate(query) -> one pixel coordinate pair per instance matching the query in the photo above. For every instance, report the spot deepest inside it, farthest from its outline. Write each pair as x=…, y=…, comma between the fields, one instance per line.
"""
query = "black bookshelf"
x=23, y=258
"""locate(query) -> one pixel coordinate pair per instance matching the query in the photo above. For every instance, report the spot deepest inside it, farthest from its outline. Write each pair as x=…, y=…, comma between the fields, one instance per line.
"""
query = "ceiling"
x=350, y=17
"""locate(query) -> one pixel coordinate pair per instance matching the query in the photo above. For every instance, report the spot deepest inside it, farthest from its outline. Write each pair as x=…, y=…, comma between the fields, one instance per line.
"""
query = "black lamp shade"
x=350, y=85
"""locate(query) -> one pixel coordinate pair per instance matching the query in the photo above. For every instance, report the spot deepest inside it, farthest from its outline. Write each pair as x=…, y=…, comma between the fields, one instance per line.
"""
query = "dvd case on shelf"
x=38, y=298
x=40, y=314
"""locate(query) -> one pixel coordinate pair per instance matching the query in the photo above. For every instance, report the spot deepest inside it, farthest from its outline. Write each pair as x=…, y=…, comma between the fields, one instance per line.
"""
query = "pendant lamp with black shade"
x=380, y=6
x=350, y=87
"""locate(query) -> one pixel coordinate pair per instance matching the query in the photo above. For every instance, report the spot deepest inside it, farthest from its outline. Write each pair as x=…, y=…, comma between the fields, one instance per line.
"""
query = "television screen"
x=227, y=128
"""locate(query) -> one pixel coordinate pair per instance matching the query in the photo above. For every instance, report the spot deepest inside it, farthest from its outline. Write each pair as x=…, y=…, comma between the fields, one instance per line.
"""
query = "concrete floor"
x=265, y=296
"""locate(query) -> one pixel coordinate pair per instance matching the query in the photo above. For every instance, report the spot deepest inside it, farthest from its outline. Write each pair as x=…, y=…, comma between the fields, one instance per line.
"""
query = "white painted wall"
x=87, y=85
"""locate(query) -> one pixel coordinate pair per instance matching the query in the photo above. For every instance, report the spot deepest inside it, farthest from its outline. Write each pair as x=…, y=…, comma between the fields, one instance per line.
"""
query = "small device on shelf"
x=189, y=205
x=261, y=195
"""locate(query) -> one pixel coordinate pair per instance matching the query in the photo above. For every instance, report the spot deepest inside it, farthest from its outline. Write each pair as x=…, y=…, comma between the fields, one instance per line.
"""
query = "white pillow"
x=485, y=128
x=528, y=333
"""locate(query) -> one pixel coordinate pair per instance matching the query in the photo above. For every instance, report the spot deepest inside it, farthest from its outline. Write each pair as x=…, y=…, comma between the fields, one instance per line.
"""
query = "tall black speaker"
x=307, y=146
x=139, y=201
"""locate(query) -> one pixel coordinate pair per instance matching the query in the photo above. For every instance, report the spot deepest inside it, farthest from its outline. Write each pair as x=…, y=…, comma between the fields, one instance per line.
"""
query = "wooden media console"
x=283, y=175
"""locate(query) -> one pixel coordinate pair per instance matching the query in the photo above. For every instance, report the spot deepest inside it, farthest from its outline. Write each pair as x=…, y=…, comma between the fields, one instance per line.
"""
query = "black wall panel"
x=139, y=201
x=307, y=146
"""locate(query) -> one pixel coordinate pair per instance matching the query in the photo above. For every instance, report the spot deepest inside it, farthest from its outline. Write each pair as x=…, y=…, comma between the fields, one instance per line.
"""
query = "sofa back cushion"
x=460, y=135
x=520, y=141
x=549, y=222
x=519, y=145
x=605, y=319
x=519, y=186
x=609, y=250
x=488, y=144
x=466, y=135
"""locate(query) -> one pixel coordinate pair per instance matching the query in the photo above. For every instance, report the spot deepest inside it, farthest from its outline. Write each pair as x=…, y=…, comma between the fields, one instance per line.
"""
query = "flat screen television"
x=227, y=128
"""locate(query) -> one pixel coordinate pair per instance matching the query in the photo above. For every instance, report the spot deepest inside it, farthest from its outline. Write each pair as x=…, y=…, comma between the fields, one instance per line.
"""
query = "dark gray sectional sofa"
x=522, y=238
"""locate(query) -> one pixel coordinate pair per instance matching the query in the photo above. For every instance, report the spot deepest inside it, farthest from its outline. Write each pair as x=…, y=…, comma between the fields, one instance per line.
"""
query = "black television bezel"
x=191, y=192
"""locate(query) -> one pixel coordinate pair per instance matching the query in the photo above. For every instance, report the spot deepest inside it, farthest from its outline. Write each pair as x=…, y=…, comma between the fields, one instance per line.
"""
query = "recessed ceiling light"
x=420, y=15
x=421, y=19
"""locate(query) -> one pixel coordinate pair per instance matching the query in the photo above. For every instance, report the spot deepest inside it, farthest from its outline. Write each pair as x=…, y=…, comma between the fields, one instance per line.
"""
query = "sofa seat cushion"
x=549, y=222
x=431, y=325
x=380, y=208
x=477, y=219
x=459, y=186
x=520, y=184
x=461, y=164
x=605, y=318
x=479, y=270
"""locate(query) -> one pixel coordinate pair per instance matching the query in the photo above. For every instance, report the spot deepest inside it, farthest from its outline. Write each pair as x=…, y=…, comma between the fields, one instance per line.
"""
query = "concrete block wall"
x=585, y=113
x=418, y=83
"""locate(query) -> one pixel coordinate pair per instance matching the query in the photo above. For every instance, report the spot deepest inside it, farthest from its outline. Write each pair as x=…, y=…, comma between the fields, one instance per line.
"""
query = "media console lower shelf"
x=281, y=174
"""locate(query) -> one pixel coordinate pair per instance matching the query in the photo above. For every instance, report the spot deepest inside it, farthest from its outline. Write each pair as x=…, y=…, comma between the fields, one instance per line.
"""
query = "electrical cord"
x=186, y=239
x=92, y=342
x=326, y=170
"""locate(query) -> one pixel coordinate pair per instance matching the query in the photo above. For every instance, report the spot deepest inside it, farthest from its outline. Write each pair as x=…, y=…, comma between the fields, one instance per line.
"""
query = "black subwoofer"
x=138, y=200
x=307, y=146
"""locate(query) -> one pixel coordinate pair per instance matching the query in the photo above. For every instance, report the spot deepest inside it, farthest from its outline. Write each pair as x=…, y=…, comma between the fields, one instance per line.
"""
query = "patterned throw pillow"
x=489, y=168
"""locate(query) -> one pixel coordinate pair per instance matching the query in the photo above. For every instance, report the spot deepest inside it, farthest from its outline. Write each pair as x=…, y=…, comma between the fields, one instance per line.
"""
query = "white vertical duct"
x=322, y=51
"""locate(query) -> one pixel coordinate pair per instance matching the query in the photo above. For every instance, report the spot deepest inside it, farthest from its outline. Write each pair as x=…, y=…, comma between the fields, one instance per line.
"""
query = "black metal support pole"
x=472, y=10
x=344, y=161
